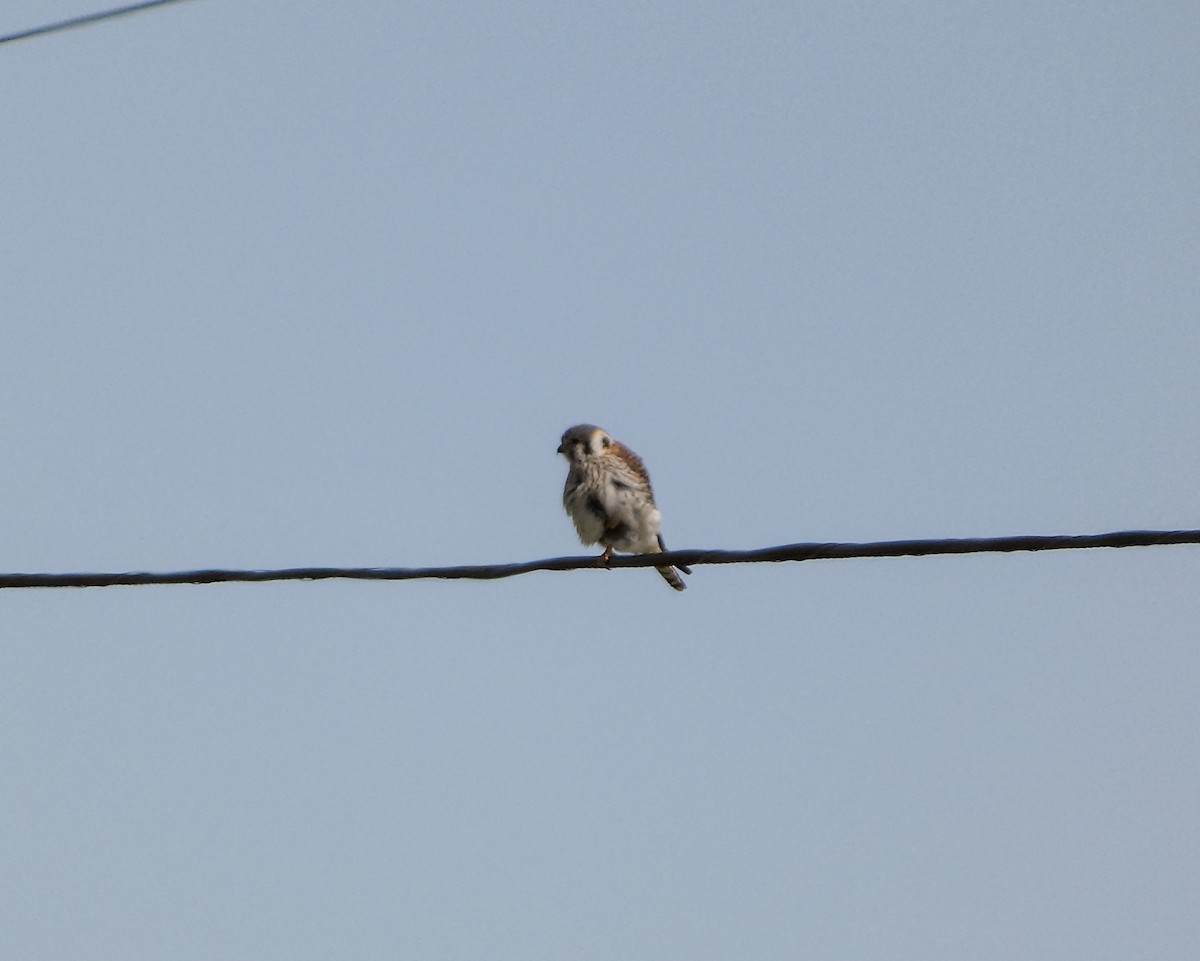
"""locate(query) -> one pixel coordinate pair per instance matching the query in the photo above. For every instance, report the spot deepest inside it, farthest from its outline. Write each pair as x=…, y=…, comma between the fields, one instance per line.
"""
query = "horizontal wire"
x=785, y=552
x=83, y=20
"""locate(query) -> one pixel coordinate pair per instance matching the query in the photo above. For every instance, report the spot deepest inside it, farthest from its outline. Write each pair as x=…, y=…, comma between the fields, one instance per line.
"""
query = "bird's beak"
x=560, y=450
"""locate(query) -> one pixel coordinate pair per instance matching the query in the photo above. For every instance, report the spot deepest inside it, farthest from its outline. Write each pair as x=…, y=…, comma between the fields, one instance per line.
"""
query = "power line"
x=85, y=19
x=786, y=552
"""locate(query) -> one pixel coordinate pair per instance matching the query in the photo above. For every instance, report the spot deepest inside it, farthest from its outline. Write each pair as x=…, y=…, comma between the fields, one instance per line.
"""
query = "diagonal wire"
x=786, y=552
x=84, y=20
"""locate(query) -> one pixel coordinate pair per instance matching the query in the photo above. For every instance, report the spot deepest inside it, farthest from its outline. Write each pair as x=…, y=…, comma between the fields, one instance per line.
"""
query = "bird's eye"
x=606, y=441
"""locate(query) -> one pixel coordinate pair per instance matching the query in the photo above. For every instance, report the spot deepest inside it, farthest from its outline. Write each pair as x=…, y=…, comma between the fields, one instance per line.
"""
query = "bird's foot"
x=605, y=559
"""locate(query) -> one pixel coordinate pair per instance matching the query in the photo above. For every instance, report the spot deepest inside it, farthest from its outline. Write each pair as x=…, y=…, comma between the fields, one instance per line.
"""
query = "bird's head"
x=583, y=441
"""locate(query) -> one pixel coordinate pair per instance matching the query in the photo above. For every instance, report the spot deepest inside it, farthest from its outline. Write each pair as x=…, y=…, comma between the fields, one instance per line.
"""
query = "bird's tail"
x=669, y=574
x=672, y=578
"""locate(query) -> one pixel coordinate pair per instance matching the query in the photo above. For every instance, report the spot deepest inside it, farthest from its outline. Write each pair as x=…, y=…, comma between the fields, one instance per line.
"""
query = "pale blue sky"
x=322, y=283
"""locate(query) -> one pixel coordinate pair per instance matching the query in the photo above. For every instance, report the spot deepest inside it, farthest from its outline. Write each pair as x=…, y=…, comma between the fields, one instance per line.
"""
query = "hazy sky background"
x=310, y=283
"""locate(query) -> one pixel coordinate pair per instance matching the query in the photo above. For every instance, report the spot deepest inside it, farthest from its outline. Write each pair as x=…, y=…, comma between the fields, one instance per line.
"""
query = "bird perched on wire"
x=608, y=496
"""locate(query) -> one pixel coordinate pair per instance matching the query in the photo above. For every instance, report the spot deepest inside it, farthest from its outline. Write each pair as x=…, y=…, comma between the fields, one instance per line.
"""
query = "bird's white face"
x=582, y=442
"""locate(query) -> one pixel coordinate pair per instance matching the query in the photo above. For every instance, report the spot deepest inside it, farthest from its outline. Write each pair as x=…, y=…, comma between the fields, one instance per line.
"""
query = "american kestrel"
x=608, y=496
